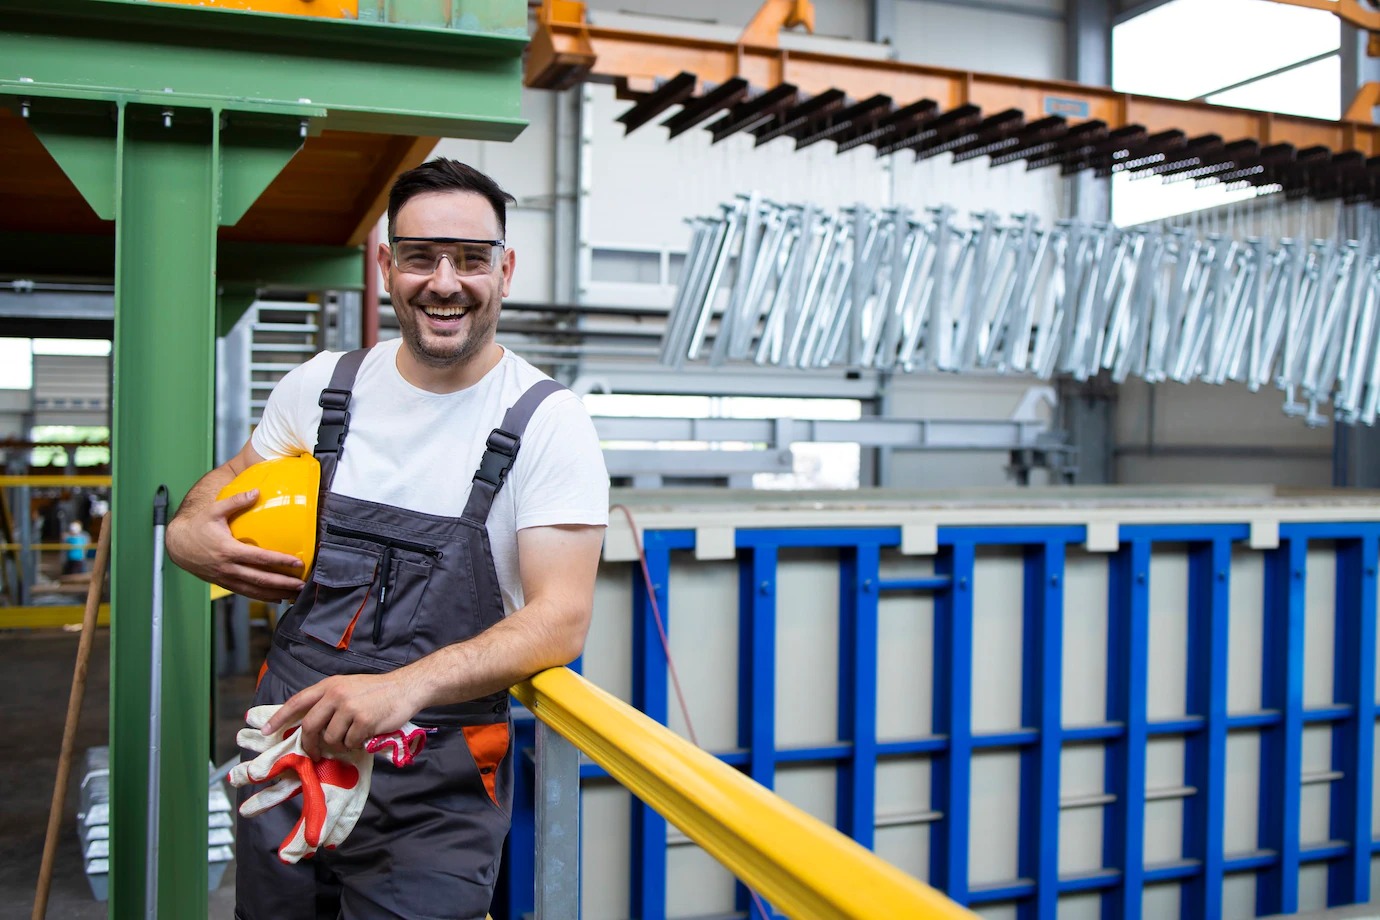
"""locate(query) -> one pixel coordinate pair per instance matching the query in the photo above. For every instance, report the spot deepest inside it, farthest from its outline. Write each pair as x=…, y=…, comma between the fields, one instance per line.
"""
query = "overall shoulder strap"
x=335, y=414
x=501, y=449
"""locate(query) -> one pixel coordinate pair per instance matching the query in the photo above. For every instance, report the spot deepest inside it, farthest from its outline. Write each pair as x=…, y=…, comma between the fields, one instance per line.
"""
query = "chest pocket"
x=366, y=593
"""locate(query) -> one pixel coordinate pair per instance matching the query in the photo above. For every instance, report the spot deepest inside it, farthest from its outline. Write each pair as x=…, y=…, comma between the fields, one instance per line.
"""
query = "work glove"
x=333, y=788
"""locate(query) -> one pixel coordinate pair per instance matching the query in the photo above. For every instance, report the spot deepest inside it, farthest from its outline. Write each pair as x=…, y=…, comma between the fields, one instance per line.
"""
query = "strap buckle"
x=499, y=452
x=335, y=420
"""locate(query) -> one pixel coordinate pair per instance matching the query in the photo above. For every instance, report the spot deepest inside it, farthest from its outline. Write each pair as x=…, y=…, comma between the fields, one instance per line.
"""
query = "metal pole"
x=160, y=522
x=557, y=869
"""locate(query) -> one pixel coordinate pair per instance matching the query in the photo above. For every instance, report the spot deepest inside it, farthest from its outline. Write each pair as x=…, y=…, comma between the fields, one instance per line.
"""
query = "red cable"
x=671, y=662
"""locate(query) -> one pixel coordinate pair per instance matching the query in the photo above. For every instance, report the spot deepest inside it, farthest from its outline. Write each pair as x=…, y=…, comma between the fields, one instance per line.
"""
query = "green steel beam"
x=164, y=320
x=242, y=265
x=171, y=120
x=381, y=77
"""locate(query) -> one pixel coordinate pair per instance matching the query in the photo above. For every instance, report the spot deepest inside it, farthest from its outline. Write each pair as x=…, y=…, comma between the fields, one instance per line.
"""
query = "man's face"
x=447, y=318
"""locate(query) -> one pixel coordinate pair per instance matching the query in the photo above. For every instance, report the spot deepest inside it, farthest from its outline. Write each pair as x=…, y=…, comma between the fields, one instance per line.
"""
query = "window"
x=1282, y=59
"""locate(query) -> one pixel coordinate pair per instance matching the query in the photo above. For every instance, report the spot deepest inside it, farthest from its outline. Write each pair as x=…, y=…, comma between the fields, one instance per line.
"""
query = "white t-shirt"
x=418, y=450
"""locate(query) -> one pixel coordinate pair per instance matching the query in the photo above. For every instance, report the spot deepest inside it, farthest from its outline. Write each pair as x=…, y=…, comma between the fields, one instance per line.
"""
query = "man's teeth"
x=444, y=311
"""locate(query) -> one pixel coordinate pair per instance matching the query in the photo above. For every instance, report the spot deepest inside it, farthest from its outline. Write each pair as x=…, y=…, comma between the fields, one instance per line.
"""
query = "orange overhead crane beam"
x=755, y=86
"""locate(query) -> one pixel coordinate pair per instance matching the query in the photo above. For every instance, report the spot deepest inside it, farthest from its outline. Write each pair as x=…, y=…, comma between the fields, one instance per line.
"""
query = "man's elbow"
x=569, y=641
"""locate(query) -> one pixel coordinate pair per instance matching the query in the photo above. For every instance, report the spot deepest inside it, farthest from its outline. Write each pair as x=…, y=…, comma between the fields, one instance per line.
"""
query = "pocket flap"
x=344, y=566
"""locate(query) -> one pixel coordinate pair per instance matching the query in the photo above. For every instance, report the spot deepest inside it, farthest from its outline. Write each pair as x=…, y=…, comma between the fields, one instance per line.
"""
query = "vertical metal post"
x=951, y=783
x=28, y=557
x=757, y=672
x=649, y=694
x=558, y=826
x=1281, y=745
x=1353, y=740
x=857, y=725
x=1042, y=678
x=165, y=230
x=1128, y=641
x=1205, y=752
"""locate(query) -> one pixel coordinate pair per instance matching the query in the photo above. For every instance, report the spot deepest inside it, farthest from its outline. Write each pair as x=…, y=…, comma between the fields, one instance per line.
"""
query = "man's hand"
x=341, y=713
x=199, y=540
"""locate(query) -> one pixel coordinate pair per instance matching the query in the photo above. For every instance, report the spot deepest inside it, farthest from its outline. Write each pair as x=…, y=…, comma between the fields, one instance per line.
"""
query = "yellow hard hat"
x=284, y=517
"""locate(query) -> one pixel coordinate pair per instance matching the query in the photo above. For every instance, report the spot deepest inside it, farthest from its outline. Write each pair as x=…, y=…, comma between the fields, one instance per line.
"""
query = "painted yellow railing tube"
x=804, y=867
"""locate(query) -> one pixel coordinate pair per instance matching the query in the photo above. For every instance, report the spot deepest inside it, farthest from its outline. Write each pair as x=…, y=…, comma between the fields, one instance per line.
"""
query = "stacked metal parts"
x=796, y=286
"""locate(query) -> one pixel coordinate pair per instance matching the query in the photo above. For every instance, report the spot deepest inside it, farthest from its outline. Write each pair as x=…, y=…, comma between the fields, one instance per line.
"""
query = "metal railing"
x=801, y=865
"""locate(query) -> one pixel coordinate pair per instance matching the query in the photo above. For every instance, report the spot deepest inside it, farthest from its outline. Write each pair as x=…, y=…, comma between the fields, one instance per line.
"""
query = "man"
x=76, y=540
x=453, y=561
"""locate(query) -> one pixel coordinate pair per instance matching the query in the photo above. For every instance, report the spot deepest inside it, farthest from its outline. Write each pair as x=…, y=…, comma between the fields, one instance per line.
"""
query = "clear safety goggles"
x=422, y=255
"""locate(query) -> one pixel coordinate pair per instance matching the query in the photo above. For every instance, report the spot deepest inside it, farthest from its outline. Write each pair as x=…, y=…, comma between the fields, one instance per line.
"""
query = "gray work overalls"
x=387, y=587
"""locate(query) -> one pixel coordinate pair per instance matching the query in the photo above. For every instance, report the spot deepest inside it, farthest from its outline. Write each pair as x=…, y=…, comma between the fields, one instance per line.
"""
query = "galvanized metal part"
x=793, y=286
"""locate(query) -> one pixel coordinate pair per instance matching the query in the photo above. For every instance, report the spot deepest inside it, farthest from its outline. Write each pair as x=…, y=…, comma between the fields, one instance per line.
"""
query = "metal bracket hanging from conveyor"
x=793, y=285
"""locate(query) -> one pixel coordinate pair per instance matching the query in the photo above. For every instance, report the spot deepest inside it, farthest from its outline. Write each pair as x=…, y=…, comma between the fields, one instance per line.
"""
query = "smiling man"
x=464, y=498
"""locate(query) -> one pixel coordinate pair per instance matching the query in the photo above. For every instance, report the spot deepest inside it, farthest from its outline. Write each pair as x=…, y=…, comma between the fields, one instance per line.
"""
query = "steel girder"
x=171, y=121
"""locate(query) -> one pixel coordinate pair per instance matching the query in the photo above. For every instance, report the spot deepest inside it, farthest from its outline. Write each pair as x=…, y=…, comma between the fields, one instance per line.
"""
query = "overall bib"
x=387, y=587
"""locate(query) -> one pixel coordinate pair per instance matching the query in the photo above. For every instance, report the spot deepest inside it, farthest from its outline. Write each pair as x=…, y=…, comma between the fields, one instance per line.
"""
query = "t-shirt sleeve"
x=288, y=426
x=560, y=477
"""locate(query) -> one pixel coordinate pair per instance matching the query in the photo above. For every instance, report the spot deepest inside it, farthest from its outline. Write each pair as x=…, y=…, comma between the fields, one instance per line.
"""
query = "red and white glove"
x=334, y=788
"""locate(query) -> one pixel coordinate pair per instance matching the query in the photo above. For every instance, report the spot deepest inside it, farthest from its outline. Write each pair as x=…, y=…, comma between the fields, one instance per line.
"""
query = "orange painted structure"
x=755, y=86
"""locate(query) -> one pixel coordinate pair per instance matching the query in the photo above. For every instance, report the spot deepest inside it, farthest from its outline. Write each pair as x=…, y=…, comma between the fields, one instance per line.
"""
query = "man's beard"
x=448, y=351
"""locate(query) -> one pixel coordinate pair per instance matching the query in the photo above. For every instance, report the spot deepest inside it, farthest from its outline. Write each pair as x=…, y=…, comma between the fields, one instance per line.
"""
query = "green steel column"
x=168, y=179
x=164, y=367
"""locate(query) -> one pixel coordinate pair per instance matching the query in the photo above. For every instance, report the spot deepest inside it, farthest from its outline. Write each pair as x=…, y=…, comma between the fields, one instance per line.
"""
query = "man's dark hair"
x=442, y=175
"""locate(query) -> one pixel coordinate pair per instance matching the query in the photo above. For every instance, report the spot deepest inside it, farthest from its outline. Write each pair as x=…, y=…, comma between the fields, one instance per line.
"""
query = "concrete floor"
x=35, y=682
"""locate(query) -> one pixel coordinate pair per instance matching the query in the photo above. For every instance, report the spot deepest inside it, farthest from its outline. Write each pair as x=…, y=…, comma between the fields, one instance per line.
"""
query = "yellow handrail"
x=48, y=480
x=800, y=864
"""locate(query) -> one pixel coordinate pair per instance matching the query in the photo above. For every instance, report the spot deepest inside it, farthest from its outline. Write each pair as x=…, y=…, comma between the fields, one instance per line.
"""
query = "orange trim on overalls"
x=488, y=746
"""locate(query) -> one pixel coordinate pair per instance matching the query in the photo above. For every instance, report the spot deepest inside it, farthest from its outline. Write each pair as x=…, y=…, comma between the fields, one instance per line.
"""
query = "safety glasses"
x=422, y=255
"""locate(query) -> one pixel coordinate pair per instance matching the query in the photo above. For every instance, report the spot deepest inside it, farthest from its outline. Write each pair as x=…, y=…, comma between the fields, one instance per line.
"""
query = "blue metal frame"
x=1126, y=734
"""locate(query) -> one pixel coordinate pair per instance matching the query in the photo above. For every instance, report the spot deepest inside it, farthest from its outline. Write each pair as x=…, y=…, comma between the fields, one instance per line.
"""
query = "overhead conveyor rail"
x=757, y=87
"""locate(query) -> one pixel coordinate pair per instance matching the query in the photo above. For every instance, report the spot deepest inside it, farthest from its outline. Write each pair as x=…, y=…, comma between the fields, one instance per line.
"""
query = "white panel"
x=703, y=631
x=1241, y=826
x=1375, y=793
x=605, y=819
x=948, y=35
x=807, y=633
x=903, y=788
x=1244, y=642
x=608, y=648
x=810, y=788
x=1085, y=638
x=1080, y=840
x=1168, y=672
x=1319, y=623
x=1164, y=825
x=1238, y=896
x=1312, y=887
x=998, y=589
x=998, y=912
x=696, y=884
x=992, y=841
x=1080, y=907
x=1160, y=900
x=1315, y=800
x=905, y=656
x=907, y=847
x=1314, y=812
x=1082, y=772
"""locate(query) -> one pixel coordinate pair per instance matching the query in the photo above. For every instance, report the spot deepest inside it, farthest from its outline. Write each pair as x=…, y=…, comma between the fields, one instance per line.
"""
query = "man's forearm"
x=537, y=637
